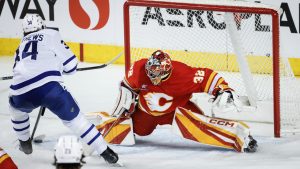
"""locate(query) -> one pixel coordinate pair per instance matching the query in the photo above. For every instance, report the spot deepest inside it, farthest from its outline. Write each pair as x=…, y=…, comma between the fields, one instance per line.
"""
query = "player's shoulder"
x=50, y=32
x=182, y=70
x=137, y=71
x=138, y=65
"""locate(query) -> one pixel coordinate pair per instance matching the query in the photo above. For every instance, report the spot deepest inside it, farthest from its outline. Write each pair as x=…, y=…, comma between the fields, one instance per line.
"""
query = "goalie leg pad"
x=211, y=131
x=122, y=131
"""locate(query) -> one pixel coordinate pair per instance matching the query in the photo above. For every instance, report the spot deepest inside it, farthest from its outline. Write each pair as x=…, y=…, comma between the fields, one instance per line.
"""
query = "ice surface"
x=96, y=90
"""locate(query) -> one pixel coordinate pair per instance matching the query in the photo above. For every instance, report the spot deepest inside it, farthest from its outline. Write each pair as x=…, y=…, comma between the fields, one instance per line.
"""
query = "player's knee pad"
x=143, y=123
x=20, y=104
x=61, y=103
x=77, y=124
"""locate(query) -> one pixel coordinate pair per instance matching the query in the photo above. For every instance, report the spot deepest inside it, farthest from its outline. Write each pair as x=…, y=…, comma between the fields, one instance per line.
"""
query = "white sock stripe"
x=213, y=84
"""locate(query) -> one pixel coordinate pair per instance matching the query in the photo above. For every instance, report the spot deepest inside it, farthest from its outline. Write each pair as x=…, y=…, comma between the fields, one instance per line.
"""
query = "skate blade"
x=118, y=164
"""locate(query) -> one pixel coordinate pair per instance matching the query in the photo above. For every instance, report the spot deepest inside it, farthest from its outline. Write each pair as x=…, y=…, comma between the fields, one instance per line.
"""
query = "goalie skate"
x=251, y=146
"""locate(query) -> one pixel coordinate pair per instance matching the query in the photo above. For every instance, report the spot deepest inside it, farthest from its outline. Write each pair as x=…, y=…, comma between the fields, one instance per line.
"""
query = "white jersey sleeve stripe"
x=213, y=84
x=35, y=79
x=69, y=60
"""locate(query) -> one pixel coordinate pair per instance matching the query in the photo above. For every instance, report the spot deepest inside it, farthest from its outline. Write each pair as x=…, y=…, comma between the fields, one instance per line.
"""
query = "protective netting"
x=201, y=38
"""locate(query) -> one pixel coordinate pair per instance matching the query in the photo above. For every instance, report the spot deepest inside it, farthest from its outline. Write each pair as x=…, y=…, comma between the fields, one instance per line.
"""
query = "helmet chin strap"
x=158, y=80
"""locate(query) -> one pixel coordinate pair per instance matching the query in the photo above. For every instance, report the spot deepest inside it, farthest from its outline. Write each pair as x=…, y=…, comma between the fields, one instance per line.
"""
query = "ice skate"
x=251, y=146
x=110, y=156
x=26, y=146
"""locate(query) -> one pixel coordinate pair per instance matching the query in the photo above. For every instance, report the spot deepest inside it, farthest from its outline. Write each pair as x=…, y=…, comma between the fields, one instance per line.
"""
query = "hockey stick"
x=114, y=124
x=101, y=66
x=41, y=113
x=87, y=149
x=83, y=68
x=6, y=78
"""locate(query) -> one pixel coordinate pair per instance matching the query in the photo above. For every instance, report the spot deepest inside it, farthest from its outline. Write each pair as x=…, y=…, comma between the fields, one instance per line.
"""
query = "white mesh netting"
x=201, y=38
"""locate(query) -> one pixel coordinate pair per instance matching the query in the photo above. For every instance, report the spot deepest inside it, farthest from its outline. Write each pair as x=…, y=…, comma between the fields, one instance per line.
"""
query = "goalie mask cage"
x=239, y=40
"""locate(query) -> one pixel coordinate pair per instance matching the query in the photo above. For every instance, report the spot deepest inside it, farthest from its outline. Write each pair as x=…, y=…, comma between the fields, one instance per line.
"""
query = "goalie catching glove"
x=125, y=102
x=226, y=100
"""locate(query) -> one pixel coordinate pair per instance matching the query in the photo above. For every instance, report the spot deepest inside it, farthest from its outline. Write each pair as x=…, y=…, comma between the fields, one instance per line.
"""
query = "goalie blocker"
x=187, y=124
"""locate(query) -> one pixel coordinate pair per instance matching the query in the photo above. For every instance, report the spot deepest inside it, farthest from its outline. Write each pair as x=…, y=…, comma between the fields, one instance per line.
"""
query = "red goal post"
x=232, y=7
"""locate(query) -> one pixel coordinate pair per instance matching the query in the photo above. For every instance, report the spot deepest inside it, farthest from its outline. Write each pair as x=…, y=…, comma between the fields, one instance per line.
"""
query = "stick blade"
x=39, y=138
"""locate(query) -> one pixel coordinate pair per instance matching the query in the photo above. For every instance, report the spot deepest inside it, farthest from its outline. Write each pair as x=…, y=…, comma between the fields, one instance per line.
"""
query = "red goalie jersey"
x=174, y=91
x=5, y=161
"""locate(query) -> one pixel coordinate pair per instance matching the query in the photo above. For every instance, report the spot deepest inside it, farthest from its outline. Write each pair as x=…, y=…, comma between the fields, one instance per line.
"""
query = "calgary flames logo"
x=158, y=101
x=83, y=15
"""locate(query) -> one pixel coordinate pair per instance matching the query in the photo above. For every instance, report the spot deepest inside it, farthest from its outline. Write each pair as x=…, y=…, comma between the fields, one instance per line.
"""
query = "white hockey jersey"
x=41, y=57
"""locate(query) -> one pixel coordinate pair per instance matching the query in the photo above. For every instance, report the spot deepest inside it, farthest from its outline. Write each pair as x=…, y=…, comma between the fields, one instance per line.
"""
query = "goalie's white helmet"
x=32, y=23
x=158, y=66
x=68, y=150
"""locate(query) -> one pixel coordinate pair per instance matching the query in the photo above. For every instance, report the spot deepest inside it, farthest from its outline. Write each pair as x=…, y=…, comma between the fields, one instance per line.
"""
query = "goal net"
x=239, y=40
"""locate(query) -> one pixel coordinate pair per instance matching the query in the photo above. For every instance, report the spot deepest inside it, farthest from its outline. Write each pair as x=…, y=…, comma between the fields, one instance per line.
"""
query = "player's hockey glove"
x=226, y=100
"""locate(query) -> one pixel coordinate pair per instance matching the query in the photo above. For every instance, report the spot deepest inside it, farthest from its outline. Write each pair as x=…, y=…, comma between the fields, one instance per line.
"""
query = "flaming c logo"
x=83, y=13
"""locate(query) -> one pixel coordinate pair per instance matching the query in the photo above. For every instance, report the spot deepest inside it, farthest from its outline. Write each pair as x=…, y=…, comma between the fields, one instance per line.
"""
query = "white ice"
x=96, y=90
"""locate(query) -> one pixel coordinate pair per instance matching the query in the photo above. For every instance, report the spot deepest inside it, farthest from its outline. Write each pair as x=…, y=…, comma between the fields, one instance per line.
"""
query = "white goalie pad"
x=210, y=131
x=120, y=132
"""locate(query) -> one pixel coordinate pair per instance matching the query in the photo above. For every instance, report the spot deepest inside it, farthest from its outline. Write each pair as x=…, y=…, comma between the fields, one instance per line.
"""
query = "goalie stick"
x=83, y=68
x=114, y=123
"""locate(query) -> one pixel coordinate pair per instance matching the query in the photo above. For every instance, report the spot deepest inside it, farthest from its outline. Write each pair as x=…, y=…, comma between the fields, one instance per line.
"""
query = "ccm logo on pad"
x=222, y=122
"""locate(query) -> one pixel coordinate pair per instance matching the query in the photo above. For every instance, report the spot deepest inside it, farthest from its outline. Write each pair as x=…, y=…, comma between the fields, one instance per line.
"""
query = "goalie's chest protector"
x=175, y=91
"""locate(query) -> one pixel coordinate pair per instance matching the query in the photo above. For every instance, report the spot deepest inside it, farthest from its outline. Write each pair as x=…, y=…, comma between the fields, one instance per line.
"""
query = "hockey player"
x=5, y=161
x=164, y=88
x=40, y=61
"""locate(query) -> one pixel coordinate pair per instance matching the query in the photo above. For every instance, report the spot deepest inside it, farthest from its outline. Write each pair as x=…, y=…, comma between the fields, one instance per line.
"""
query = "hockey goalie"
x=157, y=91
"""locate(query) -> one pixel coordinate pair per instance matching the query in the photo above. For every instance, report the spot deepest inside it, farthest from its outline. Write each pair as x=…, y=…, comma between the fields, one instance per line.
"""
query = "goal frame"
x=220, y=8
